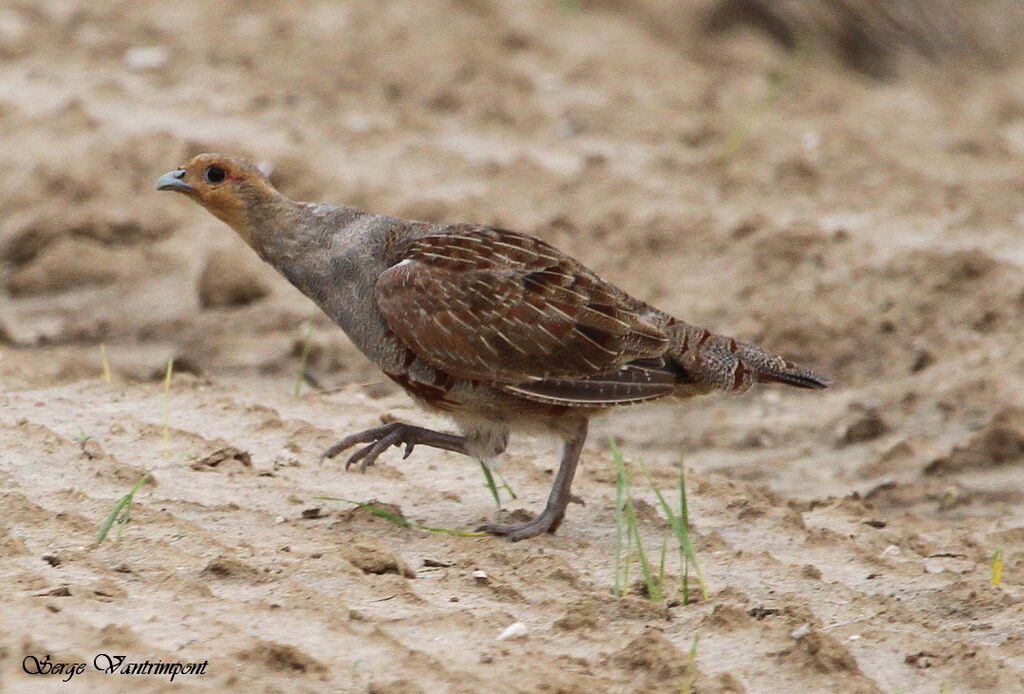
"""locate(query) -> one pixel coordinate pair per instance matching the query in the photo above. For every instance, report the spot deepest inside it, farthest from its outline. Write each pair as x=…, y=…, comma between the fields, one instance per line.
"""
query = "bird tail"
x=707, y=361
x=771, y=368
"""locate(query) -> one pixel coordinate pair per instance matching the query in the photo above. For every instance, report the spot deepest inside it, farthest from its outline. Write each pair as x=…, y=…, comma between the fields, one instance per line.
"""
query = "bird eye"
x=214, y=174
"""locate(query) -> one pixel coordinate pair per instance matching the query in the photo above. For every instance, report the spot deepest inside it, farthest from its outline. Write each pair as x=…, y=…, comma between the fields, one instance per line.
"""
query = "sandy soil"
x=870, y=229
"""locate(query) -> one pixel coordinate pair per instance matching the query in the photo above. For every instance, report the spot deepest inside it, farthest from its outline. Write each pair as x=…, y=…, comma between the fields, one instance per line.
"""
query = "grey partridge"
x=498, y=330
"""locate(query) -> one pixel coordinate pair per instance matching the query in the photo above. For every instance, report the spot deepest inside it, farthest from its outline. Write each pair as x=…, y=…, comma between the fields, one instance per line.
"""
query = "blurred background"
x=826, y=177
x=840, y=181
x=837, y=180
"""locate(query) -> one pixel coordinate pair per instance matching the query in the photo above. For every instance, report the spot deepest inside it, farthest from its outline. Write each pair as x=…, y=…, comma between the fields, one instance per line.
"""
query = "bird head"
x=224, y=185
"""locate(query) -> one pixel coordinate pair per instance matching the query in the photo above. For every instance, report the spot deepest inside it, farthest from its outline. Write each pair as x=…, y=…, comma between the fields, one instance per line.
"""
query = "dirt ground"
x=871, y=229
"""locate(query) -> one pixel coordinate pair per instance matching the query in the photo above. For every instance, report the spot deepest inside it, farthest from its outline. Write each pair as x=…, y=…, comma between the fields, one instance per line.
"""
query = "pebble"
x=800, y=632
x=516, y=630
x=142, y=58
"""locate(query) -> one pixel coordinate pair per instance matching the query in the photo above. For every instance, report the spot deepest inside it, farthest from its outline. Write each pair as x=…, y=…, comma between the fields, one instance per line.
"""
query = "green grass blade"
x=691, y=667
x=661, y=565
x=997, y=567
x=166, y=429
x=681, y=529
x=621, y=541
x=504, y=484
x=489, y=478
x=625, y=515
x=120, y=506
x=650, y=580
x=684, y=530
x=300, y=374
x=402, y=520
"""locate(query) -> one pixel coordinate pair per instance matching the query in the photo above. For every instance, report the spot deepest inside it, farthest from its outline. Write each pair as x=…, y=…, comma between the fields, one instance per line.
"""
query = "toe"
x=514, y=533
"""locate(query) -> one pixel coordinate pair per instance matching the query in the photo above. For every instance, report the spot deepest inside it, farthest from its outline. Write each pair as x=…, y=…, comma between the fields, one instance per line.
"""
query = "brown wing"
x=486, y=304
x=639, y=381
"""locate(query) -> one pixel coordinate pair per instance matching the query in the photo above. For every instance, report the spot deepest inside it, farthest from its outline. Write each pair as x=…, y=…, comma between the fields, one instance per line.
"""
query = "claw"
x=391, y=434
x=369, y=454
x=514, y=532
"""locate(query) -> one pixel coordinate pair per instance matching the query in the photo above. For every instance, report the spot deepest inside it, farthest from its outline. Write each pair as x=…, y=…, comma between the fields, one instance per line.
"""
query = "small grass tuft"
x=627, y=528
x=120, y=513
x=627, y=533
x=680, y=524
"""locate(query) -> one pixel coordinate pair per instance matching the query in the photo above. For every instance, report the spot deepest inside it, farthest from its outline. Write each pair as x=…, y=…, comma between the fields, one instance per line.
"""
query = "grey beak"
x=172, y=181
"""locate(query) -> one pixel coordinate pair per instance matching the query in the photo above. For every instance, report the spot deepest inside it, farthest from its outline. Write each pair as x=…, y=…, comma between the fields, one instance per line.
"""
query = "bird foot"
x=392, y=434
x=547, y=522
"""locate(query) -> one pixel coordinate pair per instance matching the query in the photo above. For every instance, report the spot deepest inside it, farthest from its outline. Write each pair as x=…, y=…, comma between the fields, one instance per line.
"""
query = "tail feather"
x=707, y=361
x=639, y=381
x=774, y=369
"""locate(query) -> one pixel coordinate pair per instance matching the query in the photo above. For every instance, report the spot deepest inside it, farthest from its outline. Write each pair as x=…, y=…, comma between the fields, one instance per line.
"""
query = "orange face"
x=224, y=185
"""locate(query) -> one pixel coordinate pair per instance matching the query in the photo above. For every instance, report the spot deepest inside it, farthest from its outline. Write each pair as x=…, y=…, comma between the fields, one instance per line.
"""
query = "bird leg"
x=393, y=434
x=551, y=517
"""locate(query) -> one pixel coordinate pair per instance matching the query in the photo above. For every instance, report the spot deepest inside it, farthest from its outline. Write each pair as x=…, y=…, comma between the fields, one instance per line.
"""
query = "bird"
x=496, y=329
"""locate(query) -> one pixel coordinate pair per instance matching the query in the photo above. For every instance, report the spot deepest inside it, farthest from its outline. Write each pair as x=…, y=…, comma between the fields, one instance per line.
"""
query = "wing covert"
x=486, y=304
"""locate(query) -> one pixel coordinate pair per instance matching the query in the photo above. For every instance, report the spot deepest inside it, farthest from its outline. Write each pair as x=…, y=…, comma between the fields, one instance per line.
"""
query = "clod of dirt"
x=654, y=655
x=394, y=687
x=118, y=636
x=281, y=657
x=868, y=426
x=10, y=545
x=106, y=590
x=821, y=652
x=728, y=617
x=92, y=449
x=579, y=617
x=922, y=360
x=724, y=683
x=999, y=442
x=224, y=458
x=748, y=226
x=923, y=659
x=761, y=612
x=231, y=278
x=230, y=568
x=371, y=556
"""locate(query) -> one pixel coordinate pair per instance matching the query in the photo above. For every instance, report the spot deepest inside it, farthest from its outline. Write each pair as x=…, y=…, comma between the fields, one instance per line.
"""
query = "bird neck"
x=266, y=220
